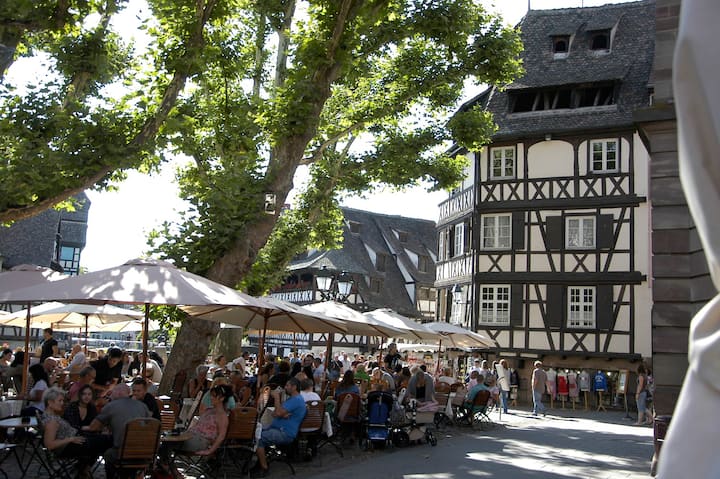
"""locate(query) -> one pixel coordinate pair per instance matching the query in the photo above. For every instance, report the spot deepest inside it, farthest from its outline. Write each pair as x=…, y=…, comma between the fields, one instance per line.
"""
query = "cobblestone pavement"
x=564, y=444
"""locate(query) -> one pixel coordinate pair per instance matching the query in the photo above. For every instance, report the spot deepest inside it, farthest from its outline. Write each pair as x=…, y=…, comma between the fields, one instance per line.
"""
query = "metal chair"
x=442, y=396
x=475, y=413
x=56, y=467
x=140, y=446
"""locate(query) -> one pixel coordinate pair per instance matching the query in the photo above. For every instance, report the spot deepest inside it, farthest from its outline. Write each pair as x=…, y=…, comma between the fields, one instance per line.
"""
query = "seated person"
x=403, y=377
x=381, y=381
x=206, y=401
x=87, y=376
x=474, y=379
x=282, y=375
x=63, y=439
x=361, y=373
x=284, y=427
x=306, y=386
x=472, y=392
x=77, y=360
x=81, y=412
x=140, y=392
x=447, y=377
x=153, y=371
x=208, y=432
x=420, y=387
x=199, y=382
x=35, y=396
x=347, y=384
x=115, y=415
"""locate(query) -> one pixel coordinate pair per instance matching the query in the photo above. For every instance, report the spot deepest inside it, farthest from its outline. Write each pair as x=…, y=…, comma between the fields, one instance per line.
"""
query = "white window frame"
x=604, y=150
x=583, y=231
x=495, y=234
x=581, y=307
x=495, y=304
x=507, y=162
x=459, y=239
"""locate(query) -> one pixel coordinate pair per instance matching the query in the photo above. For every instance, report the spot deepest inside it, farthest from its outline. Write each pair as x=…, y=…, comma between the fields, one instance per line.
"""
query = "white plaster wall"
x=413, y=257
x=642, y=165
x=539, y=340
x=643, y=327
x=519, y=339
x=549, y=159
x=371, y=253
x=643, y=252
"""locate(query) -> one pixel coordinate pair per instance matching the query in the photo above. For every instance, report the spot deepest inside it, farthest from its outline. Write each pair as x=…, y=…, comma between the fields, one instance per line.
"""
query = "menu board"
x=622, y=381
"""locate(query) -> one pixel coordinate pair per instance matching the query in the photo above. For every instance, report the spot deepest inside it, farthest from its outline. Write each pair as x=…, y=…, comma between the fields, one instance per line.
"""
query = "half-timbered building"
x=390, y=259
x=561, y=238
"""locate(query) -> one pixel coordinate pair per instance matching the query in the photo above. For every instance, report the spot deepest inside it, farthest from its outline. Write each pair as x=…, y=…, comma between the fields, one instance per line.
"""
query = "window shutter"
x=466, y=240
x=555, y=306
x=604, y=303
x=516, y=305
x=518, y=230
x=605, y=232
x=554, y=232
x=450, y=242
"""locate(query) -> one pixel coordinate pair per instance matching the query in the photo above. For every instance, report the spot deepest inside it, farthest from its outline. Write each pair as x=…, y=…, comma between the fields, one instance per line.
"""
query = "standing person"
x=116, y=414
x=539, y=378
x=49, y=346
x=284, y=427
x=504, y=382
x=392, y=358
x=108, y=371
x=641, y=396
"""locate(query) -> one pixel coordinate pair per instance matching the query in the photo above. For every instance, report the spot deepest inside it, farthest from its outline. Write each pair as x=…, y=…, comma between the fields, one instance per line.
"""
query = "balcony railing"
x=457, y=205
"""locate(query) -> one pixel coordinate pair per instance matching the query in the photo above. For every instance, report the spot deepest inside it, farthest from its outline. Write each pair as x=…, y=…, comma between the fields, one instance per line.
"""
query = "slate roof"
x=379, y=232
x=629, y=63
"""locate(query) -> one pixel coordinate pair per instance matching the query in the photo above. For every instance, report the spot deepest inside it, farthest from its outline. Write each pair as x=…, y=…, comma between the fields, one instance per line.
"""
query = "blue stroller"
x=377, y=425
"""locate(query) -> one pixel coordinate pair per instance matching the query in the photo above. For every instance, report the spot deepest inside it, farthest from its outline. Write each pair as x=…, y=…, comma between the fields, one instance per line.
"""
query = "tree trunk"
x=229, y=343
x=190, y=349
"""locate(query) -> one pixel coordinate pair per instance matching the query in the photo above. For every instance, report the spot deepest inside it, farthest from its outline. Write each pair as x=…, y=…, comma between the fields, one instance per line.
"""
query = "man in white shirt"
x=307, y=392
x=318, y=373
x=77, y=361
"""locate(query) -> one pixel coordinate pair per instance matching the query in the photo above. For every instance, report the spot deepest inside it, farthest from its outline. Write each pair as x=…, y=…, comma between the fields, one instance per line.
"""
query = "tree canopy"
x=360, y=91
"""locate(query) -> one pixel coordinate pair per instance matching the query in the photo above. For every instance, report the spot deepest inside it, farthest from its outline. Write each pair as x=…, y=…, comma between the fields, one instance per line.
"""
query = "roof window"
x=600, y=40
x=354, y=227
x=560, y=46
x=578, y=96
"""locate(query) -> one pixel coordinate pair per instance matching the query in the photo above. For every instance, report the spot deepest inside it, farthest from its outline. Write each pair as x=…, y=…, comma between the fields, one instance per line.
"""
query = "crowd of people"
x=84, y=403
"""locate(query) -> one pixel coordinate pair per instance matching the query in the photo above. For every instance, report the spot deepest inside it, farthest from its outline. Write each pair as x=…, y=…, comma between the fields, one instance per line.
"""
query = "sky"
x=119, y=221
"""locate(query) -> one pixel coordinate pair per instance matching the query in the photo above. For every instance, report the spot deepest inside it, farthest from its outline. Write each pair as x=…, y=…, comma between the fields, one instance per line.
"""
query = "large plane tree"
x=361, y=92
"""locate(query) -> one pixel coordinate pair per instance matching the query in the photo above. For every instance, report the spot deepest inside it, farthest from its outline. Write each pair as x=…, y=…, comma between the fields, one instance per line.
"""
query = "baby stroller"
x=377, y=425
x=418, y=425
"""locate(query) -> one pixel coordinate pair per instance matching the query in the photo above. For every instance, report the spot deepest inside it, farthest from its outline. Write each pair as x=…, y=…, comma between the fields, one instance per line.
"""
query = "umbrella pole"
x=146, y=327
x=86, y=335
x=437, y=368
x=261, y=357
x=26, y=358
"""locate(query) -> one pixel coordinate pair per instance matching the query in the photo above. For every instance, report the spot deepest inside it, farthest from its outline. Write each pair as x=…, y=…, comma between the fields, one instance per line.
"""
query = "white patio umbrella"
x=411, y=329
x=354, y=321
x=274, y=315
x=23, y=276
x=68, y=316
x=139, y=281
x=460, y=337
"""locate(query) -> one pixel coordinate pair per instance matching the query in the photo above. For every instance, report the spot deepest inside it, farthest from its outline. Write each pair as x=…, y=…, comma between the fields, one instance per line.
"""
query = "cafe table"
x=168, y=442
x=10, y=407
x=28, y=441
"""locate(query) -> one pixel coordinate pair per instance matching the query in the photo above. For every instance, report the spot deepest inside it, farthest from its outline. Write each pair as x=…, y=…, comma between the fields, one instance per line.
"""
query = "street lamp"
x=457, y=294
x=332, y=287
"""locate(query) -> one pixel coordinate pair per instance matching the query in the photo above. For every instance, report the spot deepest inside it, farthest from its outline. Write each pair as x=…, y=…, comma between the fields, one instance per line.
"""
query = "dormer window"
x=600, y=40
x=354, y=227
x=560, y=46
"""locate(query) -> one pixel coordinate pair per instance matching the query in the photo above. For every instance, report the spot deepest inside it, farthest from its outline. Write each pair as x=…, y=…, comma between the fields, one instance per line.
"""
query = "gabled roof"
x=379, y=232
x=627, y=64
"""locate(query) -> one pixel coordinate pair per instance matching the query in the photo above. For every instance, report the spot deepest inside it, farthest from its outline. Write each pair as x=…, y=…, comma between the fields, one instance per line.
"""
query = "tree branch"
x=317, y=154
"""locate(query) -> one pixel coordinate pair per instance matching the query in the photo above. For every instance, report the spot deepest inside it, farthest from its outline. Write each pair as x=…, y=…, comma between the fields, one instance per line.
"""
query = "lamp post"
x=333, y=288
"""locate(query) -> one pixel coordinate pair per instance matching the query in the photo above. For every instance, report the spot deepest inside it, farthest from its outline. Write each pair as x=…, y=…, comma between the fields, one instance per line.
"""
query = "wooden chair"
x=176, y=391
x=140, y=446
x=442, y=396
x=475, y=413
x=347, y=414
x=240, y=438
